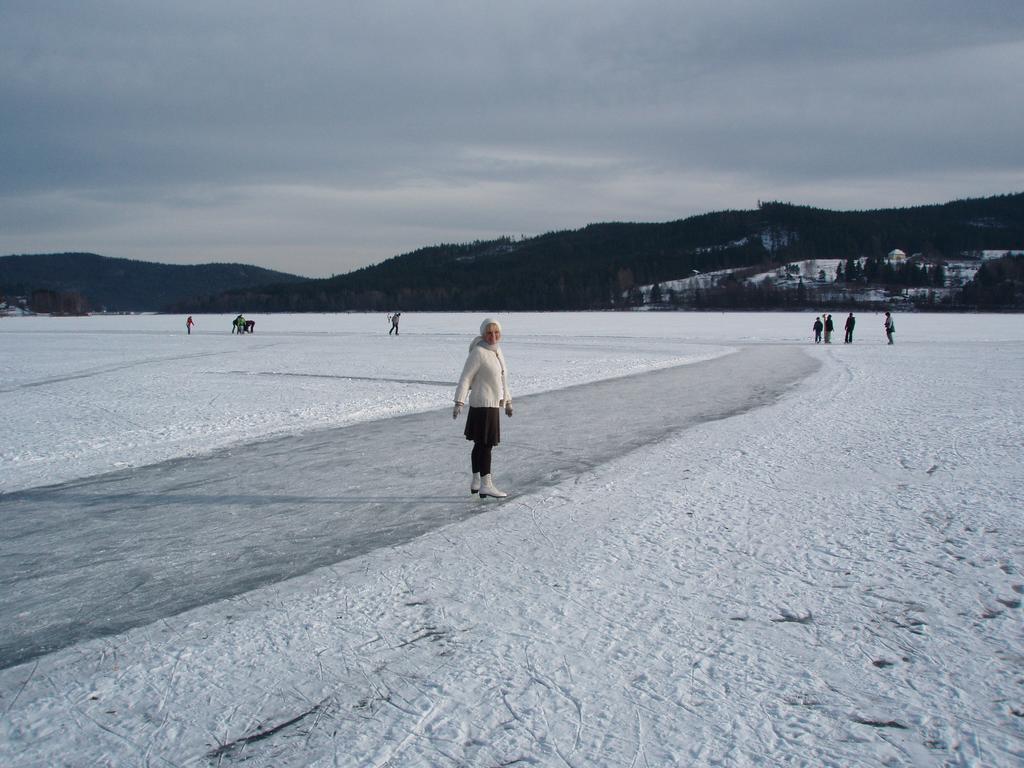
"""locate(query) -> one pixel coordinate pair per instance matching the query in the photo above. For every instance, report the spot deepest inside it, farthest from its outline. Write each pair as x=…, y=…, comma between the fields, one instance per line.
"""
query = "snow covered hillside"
x=819, y=276
x=830, y=576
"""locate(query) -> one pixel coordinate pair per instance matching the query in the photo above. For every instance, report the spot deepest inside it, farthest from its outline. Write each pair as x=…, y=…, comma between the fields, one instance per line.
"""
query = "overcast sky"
x=316, y=137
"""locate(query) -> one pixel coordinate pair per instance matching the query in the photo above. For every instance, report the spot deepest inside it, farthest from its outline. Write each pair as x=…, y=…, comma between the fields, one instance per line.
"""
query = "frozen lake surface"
x=751, y=550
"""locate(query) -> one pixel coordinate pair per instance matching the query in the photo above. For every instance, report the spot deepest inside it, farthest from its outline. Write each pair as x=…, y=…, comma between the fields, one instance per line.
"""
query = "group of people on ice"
x=824, y=323
x=241, y=325
x=238, y=325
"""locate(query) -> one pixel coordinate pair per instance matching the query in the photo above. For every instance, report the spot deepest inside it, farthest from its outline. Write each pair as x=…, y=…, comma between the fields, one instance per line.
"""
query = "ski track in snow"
x=831, y=580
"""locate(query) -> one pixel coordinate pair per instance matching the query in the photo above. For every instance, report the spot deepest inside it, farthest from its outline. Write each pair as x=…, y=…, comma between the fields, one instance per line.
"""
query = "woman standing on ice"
x=485, y=380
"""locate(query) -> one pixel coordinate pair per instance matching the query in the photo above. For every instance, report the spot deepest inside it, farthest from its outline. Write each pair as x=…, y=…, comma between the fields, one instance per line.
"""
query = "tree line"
x=603, y=265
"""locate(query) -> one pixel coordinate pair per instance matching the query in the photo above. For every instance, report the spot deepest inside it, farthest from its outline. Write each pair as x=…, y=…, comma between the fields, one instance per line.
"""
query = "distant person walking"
x=188, y=324
x=850, y=322
x=890, y=327
x=485, y=380
x=829, y=327
x=817, y=330
x=394, y=323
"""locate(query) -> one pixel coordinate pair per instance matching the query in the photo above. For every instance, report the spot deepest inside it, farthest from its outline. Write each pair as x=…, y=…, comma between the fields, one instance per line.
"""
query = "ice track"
x=98, y=556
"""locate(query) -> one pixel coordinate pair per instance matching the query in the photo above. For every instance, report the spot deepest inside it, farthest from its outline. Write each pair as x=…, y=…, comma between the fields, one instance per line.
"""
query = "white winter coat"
x=484, y=377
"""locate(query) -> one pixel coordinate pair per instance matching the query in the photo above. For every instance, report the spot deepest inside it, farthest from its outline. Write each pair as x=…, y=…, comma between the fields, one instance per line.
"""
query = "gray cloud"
x=320, y=136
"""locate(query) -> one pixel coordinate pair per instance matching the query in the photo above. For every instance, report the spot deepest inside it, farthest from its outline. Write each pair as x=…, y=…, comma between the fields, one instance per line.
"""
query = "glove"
x=508, y=409
x=456, y=410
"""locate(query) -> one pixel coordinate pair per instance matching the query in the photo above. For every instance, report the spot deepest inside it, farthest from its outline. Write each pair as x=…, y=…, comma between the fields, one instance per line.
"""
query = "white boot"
x=474, y=486
x=487, y=489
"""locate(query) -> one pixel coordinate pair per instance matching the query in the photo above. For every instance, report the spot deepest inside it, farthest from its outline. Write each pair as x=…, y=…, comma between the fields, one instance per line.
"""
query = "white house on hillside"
x=897, y=255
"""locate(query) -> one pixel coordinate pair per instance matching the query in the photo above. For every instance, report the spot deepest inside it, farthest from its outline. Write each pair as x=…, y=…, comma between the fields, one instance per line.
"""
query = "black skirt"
x=483, y=426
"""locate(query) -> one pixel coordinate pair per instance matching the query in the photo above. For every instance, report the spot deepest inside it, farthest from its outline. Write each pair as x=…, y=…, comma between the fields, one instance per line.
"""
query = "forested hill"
x=119, y=285
x=595, y=267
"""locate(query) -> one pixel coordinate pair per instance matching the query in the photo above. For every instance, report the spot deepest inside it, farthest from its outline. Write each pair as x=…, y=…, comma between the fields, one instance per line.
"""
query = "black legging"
x=481, y=458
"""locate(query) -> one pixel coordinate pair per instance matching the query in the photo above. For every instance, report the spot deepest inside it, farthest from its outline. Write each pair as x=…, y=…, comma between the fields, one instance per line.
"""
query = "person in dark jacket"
x=850, y=322
x=817, y=330
x=890, y=327
x=829, y=327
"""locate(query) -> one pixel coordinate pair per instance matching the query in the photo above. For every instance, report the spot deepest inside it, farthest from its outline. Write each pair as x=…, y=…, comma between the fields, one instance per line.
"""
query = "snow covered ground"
x=831, y=579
